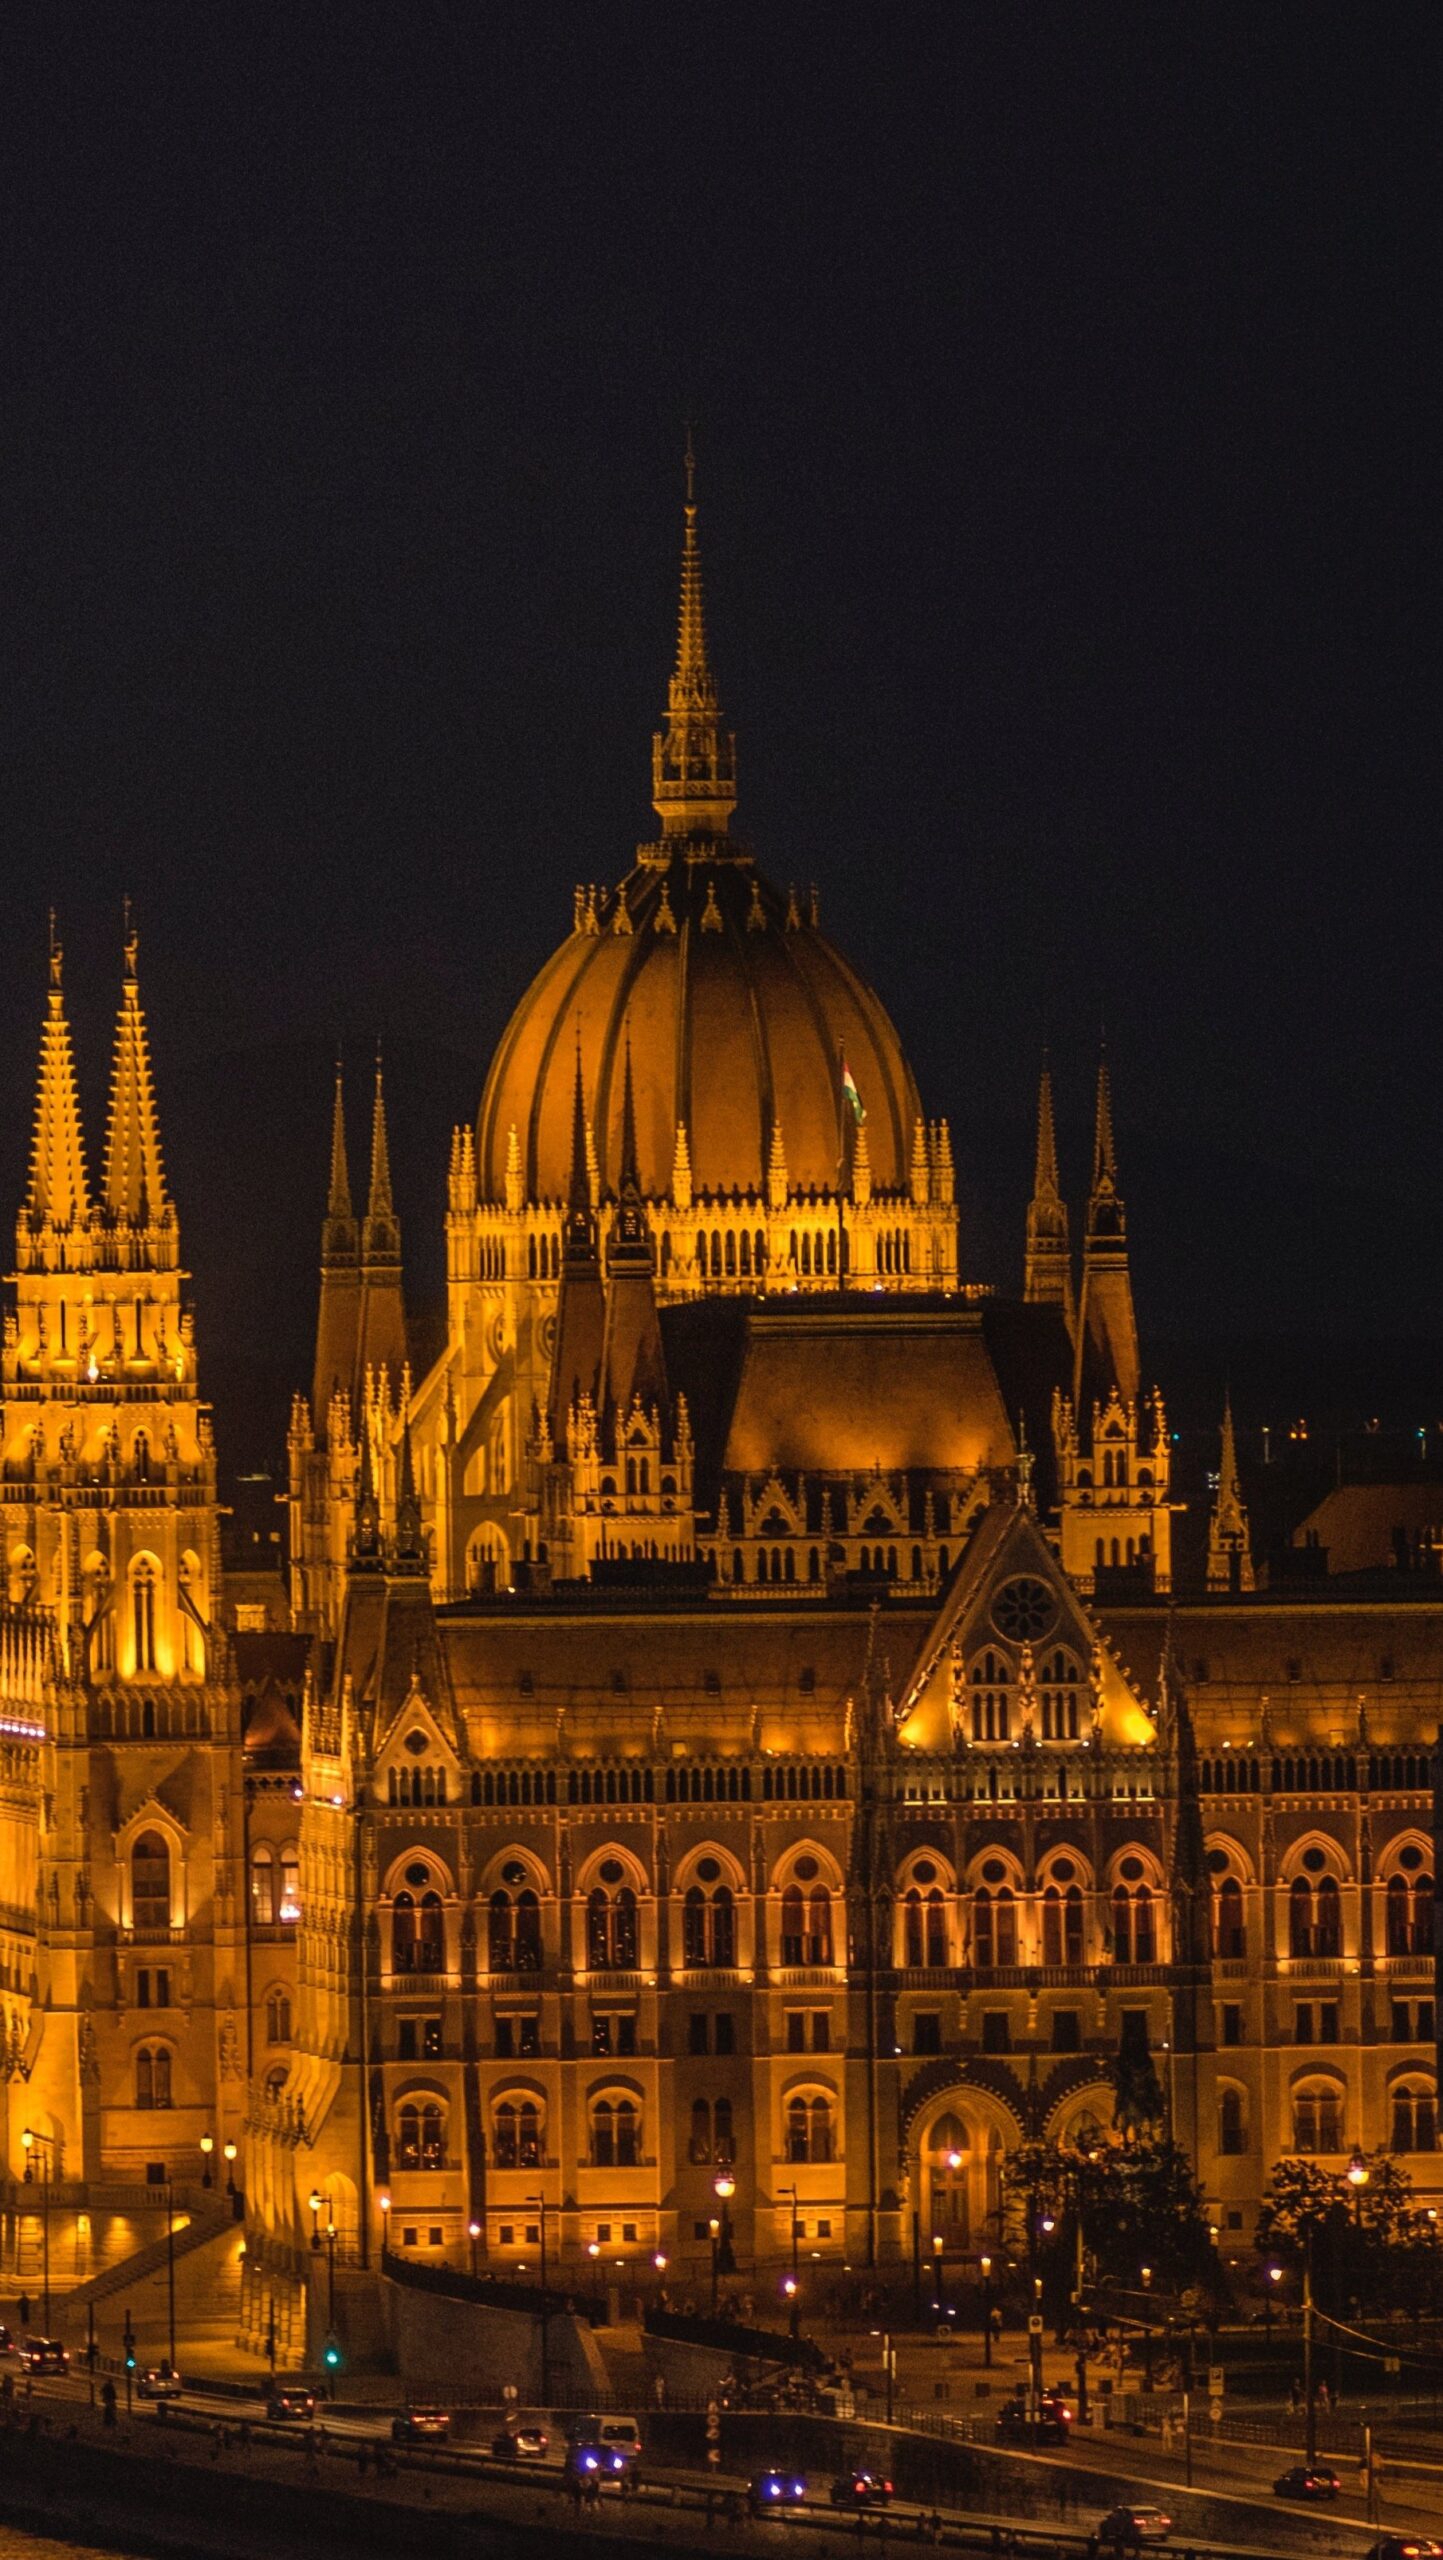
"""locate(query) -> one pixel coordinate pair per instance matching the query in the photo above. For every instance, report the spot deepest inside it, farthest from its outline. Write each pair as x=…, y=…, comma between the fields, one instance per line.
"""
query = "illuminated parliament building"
x=737, y=1715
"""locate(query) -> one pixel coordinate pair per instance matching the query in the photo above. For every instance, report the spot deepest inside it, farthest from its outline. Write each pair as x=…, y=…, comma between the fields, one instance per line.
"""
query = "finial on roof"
x=694, y=758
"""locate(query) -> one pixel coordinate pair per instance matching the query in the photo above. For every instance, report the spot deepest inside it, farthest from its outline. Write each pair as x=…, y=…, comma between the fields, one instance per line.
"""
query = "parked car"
x=290, y=2400
x=1305, y=2481
x=159, y=2382
x=595, y=2462
x=1127, y=2528
x=861, y=2489
x=1404, y=2546
x=776, y=2488
x=7, y=2340
x=521, y=2444
x=421, y=2426
x=44, y=2355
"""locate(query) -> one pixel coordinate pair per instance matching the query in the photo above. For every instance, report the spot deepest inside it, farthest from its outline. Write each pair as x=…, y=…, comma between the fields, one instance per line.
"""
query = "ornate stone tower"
x=1230, y=1550
x=112, y=1556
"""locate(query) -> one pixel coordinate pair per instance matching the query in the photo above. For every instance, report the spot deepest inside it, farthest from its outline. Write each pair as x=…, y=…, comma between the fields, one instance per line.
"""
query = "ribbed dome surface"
x=738, y=1018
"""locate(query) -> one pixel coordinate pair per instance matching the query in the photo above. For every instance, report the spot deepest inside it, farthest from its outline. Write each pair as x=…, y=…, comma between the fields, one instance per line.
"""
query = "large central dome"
x=741, y=1017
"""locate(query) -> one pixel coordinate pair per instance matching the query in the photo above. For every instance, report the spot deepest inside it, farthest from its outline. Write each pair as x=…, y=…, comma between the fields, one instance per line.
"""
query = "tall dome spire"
x=693, y=760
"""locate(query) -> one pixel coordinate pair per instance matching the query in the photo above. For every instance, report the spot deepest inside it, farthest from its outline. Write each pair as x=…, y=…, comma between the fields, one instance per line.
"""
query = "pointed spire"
x=694, y=758
x=515, y=1185
x=629, y=1179
x=681, y=1168
x=380, y=1203
x=777, y=1169
x=861, y=1167
x=338, y=1203
x=1107, y=1352
x=57, y=1195
x=134, y=1188
x=1048, y=1272
x=920, y=1177
x=580, y=1233
x=1230, y=1548
x=409, y=1548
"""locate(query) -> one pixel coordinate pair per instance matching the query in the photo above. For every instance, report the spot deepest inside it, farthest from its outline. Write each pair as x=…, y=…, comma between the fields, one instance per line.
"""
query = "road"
x=465, y=2476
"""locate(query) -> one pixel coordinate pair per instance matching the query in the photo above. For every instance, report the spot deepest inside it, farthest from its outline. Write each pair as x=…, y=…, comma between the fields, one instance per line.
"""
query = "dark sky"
x=1065, y=384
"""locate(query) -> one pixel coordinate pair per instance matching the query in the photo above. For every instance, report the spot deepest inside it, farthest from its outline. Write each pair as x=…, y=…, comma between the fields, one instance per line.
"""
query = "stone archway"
x=959, y=2140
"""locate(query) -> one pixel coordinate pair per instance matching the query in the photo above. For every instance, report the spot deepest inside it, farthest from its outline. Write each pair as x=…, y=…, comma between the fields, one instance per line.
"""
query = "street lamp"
x=473, y=2234
x=792, y=2286
x=540, y=2204
x=237, y=2200
x=1146, y=2330
x=207, y=2146
x=1275, y=2278
x=986, y=2266
x=938, y=2244
x=28, y=2141
x=724, y=2187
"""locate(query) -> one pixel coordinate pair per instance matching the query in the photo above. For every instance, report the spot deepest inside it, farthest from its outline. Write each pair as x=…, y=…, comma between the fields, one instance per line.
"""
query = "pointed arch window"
x=810, y=2129
x=1414, y=2117
x=150, y=1903
x=1230, y=1936
x=708, y=1926
x=1410, y=1915
x=615, y=2133
x=924, y=1927
x=263, y=1884
x=994, y=1926
x=1062, y=1926
x=516, y=2136
x=991, y=1683
x=421, y=2134
x=142, y=1613
x=152, y=2076
x=1232, y=2123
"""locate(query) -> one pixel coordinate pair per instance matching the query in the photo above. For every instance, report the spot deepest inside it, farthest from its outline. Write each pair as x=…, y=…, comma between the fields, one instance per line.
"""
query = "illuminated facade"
x=745, y=1718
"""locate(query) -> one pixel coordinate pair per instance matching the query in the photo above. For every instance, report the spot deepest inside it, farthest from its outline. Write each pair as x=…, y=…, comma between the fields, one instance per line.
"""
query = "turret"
x=1107, y=1353
x=381, y=1340
x=57, y=1198
x=339, y=1313
x=1048, y=1277
x=632, y=1364
x=133, y=1198
x=1230, y=1552
x=580, y=1304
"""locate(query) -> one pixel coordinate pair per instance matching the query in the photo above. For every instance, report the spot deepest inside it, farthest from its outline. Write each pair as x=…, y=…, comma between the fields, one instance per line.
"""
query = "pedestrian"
x=1324, y=2401
x=107, y=2402
x=24, y=2310
x=1295, y=2394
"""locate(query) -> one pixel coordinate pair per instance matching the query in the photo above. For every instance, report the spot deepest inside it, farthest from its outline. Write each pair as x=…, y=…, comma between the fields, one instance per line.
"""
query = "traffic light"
x=331, y=2356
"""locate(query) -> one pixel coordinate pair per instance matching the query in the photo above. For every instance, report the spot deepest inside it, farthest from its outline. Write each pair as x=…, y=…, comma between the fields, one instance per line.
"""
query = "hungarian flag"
x=850, y=1094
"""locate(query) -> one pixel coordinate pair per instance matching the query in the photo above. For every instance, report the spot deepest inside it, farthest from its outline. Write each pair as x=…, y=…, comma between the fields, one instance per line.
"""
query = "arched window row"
x=153, y=2076
x=615, y=2133
x=514, y=1786
x=712, y=2135
x=806, y=1931
x=613, y=1937
x=513, y=1931
x=709, y=1927
x=794, y=1782
x=726, y=1254
x=810, y=2129
x=1400, y=1770
x=1413, y=2116
x=1318, y=2108
x=1134, y=1924
x=517, y=2128
x=1315, y=1917
x=543, y=1258
x=924, y=1927
x=696, y=1782
x=418, y=1933
x=1315, y=1773
x=418, y=1786
x=420, y=2134
x=627, y=1785
x=1408, y=1901
x=1234, y=1774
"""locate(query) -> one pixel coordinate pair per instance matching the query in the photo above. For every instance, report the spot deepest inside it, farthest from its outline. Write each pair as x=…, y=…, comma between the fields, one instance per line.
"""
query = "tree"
x=1367, y=2240
x=1135, y=2203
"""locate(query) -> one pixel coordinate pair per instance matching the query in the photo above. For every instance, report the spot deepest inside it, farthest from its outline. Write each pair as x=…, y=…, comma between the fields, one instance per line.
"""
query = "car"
x=44, y=2355
x=421, y=2426
x=520, y=2444
x=1404, y=2546
x=7, y=2340
x=861, y=2489
x=159, y=2382
x=290, y=2400
x=1306, y=2481
x=776, y=2488
x=1019, y=2423
x=608, y=2435
x=1127, y=2528
x=597, y=2463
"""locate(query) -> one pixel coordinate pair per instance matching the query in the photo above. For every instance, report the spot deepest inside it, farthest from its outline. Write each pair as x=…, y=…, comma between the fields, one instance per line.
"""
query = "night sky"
x=1065, y=385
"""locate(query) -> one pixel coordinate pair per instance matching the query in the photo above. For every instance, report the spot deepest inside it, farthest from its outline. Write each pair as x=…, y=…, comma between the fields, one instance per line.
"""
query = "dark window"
x=1066, y=2031
x=505, y=2039
x=927, y=2031
x=1232, y=2127
x=1232, y=2022
x=626, y=2031
x=996, y=2031
x=601, y=2033
x=796, y=2031
x=1303, y=2023
x=528, y=2036
x=821, y=2031
x=407, y=2040
x=1402, y=2022
x=696, y=2032
x=150, y=1882
x=1328, y=2022
x=725, y=2032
